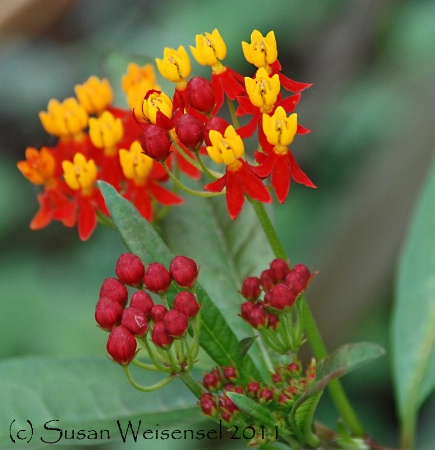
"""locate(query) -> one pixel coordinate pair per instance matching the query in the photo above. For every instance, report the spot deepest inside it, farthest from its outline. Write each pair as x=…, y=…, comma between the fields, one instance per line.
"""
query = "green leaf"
x=139, y=236
x=253, y=409
x=84, y=394
x=413, y=324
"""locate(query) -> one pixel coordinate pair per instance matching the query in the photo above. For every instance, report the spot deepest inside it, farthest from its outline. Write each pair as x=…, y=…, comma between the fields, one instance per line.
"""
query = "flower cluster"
x=287, y=383
x=272, y=304
x=143, y=316
x=135, y=149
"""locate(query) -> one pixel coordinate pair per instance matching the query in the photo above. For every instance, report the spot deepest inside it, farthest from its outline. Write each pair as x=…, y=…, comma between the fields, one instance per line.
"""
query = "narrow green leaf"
x=253, y=409
x=413, y=324
x=84, y=394
x=216, y=338
x=345, y=359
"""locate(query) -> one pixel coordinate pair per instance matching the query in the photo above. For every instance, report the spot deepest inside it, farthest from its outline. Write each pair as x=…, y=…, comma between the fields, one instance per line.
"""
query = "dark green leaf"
x=253, y=409
x=413, y=326
x=84, y=394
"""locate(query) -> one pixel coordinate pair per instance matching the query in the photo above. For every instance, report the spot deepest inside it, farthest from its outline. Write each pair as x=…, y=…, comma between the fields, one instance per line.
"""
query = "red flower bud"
x=200, y=94
x=155, y=142
x=215, y=123
x=190, y=131
x=135, y=321
x=257, y=317
x=212, y=381
x=281, y=297
x=303, y=271
x=157, y=278
x=272, y=321
x=251, y=288
x=294, y=368
x=278, y=270
x=129, y=269
x=208, y=404
x=108, y=313
x=266, y=280
x=186, y=303
x=265, y=396
x=184, y=271
x=228, y=404
x=295, y=282
x=253, y=387
x=176, y=323
x=160, y=336
x=158, y=313
x=121, y=345
x=142, y=301
x=246, y=309
x=230, y=373
x=112, y=288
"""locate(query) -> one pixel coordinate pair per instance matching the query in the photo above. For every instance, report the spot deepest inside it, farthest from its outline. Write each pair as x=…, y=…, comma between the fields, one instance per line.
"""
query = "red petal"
x=289, y=103
x=216, y=186
x=249, y=129
x=281, y=177
x=143, y=204
x=245, y=106
x=162, y=195
x=293, y=86
x=43, y=217
x=230, y=84
x=234, y=195
x=266, y=166
x=302, y=130
x=164, y=121
x=297, y=174
x=252, y=185
x=218, y=92
x=87, y=218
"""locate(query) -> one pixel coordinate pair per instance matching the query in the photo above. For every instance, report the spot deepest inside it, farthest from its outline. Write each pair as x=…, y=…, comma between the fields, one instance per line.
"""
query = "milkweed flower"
x=261, y=51
x=66, y=120
x=210, y=50
x=143, y=181
x=94, y=95
x=175, y=66
x=157, y=108
x=39, y=168
x=239, y=178
x=80, y=175
x=277, y=160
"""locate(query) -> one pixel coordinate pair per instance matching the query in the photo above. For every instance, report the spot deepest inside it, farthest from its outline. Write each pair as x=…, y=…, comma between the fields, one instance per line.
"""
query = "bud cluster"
x=143, y=316
x=287, y=383
x=272, y=302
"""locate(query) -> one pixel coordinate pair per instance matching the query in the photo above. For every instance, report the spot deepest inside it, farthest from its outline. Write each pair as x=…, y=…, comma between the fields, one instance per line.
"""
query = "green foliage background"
x=371, y=112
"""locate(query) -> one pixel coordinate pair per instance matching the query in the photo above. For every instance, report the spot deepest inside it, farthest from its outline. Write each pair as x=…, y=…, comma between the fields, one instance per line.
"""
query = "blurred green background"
x=371, y=111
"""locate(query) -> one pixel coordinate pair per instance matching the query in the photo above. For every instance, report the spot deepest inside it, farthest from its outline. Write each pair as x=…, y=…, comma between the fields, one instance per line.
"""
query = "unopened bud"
x=135, y=321
x=186, y=303
x=266, y=280
x=157, y=279
x=281, y=297
x=108, y=313
x=142, y=301
x=251, y=288
x=158, y=313
x=200, y=94
x=130, y=270
x=184, y=271
x=156, y=143
x=115, y=290
x=176, y=323
x=121, y=345
x=190, y=131
x=160, y=336
x=278, y=270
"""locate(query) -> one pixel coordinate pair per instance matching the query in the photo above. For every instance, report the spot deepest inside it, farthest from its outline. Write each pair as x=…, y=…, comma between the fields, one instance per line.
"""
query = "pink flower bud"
x=129, y=269
x=184, y=271
x=281, y=297
x=158, y=313
x=157, y=278
x=190, y=131
x=278, y=270
x=135, y=321
x=200, y=95
x=155, y=142
x=142, y=301
x=215, y=123
x=121, y=345
x=186, y=303
x=176, y=323
x=251, y=288
x=160, y=336
x=108, y=313
x=113, y=288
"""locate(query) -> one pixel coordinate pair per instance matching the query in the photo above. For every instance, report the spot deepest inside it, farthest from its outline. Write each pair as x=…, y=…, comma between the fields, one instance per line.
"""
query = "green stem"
x=211, y=174
x=186, y=189
x=151, y=388
x=145, y=366
x=268, y=229
x=188, y=380
x=316, y=342
x=407, y=435
x=334, y=386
